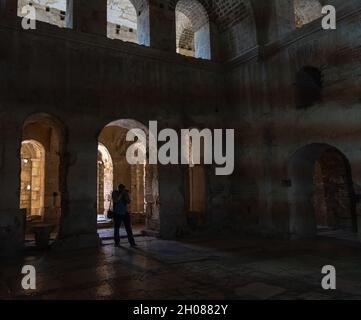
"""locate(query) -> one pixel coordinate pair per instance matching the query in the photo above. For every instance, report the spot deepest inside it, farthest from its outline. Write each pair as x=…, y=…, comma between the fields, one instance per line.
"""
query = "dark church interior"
x=78, y=76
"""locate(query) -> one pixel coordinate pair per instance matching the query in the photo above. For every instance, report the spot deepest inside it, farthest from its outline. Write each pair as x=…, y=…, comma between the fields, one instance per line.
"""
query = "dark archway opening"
x=140, y=179
x=41, y=178
x=322, y=199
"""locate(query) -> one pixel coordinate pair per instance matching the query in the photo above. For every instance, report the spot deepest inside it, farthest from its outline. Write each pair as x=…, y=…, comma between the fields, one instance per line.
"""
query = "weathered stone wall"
x=86, y=81
x=272, y=129
x=333, y=191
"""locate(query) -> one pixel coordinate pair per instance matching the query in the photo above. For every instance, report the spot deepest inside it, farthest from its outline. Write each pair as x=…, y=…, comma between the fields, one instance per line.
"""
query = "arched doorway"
x=321, y=197
x=41, y=181
x=140, y=179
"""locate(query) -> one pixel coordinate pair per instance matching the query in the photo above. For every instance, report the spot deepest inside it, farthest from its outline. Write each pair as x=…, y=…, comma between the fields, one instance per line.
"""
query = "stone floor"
x=220, y=268
x=105, y=233
x=339, y=234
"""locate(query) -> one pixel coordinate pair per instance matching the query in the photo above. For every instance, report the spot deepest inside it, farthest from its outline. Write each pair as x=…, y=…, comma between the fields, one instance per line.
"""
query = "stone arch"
x=48, y=131
x=192, y=29
x=142, y=179
x=301, y=171
x=128, y=20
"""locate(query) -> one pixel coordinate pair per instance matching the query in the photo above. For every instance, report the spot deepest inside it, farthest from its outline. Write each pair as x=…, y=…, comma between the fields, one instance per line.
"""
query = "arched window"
x=307, y=11
x=128, y=20
x=192, y=29
x=56, y=12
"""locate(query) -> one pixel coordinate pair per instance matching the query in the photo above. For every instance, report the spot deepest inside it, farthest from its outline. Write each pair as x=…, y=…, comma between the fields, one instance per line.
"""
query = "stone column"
x=90, y=16
x=12, y=219
x=162, y=27
x=172, y=201
x=78, y=223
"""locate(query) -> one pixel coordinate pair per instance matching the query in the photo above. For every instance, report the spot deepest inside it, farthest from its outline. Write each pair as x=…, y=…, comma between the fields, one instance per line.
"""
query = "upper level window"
x=122, y=20
x=307, y=11
x=192, y=29
x=55, y=12
x=128, y=22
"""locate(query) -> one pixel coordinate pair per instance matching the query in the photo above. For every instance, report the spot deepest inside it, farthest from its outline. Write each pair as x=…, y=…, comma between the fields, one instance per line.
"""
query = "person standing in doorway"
x=121, y=200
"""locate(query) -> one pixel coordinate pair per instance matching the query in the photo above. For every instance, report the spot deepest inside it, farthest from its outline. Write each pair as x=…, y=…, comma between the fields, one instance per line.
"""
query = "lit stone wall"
x=197, y=190
x=49, y=11
x=132, y=176
x=184, y=35
x=122, y=20
x=32, y=178
x=47, y=139
x=307, y=11
x=105, y=179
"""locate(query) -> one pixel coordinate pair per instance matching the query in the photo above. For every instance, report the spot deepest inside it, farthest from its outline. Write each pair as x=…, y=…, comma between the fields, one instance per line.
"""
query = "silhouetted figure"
x=121, y=200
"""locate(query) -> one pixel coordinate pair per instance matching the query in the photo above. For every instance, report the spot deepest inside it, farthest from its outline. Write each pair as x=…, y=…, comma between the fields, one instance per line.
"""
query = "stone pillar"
x=12, y=219
x=172, y=201
x=90, y=16
x=78, y=223
x=162, y=27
